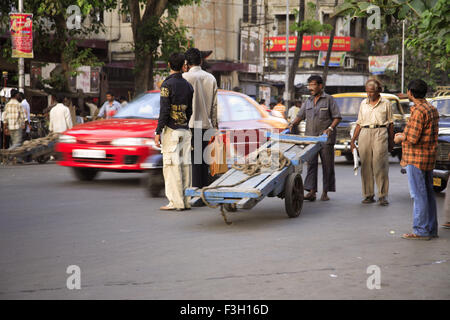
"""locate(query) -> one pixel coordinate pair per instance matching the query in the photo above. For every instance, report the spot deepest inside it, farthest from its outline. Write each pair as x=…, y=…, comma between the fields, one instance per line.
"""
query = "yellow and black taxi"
x=442, y=168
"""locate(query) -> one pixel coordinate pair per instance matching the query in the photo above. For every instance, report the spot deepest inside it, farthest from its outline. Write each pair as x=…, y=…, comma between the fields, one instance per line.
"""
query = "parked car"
x=125, y=143
x=442, y=168
x=349, y=104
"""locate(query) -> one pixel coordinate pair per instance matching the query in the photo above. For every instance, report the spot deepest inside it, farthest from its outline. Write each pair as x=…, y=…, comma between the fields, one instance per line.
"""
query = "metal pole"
x=403, y=55
x=21, y=61
x=286, y=83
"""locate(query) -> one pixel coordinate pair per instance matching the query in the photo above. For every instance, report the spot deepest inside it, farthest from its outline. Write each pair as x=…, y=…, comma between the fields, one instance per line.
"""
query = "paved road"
x=127, y=249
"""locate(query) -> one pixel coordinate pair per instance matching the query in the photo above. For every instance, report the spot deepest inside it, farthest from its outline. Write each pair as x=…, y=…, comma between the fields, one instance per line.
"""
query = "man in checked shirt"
x=14, y=119
x=419, y=144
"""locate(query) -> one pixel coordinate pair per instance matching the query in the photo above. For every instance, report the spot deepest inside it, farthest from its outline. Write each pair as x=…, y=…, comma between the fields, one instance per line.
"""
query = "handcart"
x=274, y=170
x=40, y=149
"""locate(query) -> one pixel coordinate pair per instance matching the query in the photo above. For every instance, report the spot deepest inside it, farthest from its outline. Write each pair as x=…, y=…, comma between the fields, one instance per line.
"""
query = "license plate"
x=337, y=153
x=437, y=182
x=94, y=154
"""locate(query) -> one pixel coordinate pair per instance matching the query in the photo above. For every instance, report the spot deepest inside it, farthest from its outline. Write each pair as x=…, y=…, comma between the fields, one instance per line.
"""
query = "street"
x=126, y=248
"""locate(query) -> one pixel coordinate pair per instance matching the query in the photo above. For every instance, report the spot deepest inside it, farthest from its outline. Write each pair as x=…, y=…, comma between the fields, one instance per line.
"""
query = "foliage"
x=429, y=31
x=52, y=37
x=309, y=25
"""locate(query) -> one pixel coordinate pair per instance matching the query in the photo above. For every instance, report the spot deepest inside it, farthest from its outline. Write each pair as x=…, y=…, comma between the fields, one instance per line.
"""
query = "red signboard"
x=21, y=28
x=310, y=43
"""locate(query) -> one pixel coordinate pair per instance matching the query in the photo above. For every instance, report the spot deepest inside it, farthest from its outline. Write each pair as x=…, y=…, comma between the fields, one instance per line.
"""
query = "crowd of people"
x=61, y=115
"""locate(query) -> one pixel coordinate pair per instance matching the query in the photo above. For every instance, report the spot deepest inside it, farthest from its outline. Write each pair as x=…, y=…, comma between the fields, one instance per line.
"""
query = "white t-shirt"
x=60, y=119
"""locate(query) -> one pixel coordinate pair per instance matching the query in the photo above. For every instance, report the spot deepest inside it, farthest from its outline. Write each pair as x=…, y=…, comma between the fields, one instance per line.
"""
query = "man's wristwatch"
x=331, y=128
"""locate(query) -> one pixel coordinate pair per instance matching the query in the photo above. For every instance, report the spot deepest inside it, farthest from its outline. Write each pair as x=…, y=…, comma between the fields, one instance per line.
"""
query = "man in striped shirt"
x=419, y=144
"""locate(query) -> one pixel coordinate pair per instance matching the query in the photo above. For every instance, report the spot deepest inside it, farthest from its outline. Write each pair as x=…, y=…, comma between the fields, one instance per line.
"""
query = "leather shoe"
x=368, y=200
x=382, y=201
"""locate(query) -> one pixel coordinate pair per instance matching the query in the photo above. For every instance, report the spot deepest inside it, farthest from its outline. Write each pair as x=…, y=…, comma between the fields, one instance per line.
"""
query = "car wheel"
x=349, y=157
x=154, y=183
x=85, y=174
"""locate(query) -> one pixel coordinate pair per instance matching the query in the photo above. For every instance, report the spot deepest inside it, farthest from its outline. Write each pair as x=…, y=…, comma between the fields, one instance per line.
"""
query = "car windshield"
x=145, y=106
x=237, y=108
x=349, y=106
x=443, y=106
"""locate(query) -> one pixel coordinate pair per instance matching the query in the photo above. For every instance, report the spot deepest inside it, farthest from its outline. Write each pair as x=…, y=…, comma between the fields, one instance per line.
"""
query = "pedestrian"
x=110, y=107
x=419, y=144
x=293, y=110
x=14, y=119
x=26, y=108
x=446, y=225
x=60, y=117
x=322, y=116
x=204, y=113
x=262, y=103
x=123, y=101
x=73, y=110
x=93, y=110
x=280, y=107
x=375, y=134
x=292, y=114
x=173, y=123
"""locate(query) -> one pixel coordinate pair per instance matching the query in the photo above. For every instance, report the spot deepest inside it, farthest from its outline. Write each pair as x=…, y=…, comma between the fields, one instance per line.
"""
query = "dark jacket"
x=175, y=104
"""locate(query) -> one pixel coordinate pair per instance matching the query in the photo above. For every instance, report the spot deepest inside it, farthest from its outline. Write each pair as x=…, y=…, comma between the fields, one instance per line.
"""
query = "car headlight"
x=444, y=131
x=64, y=138
x=134, y=142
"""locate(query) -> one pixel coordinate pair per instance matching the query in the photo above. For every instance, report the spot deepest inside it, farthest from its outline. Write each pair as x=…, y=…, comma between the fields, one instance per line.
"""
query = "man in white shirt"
x=204, y=113
x=26, y=108
x=60, y=119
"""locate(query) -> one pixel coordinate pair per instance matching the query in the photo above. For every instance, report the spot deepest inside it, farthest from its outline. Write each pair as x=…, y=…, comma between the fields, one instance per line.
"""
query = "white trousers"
x=176, y=150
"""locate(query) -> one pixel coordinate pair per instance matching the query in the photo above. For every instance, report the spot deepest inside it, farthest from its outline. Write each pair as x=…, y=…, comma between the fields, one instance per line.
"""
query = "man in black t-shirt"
x=175, y=112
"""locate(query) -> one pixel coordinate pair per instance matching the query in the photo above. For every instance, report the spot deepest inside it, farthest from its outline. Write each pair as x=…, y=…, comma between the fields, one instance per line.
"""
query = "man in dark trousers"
x=204, y=113
x=322, y=117
x=173, y=123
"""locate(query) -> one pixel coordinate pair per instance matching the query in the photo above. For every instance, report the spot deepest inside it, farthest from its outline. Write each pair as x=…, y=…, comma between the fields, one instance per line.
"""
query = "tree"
x=155, y=35
x=330, y=47
x=52, y=36
x=303, y=26
x=429, y=31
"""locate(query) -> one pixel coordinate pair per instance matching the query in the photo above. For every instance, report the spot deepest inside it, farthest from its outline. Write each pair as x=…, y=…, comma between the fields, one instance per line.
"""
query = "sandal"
x=413, y=236
x=310, y=197
x=167, y=208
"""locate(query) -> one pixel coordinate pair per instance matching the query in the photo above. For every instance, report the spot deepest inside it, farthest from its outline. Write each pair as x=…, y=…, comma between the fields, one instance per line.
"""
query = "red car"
x=125, y=143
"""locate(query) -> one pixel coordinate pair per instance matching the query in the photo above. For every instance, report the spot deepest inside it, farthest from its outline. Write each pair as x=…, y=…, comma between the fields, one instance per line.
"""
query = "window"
x=238, y=108
x=145, y=106
x=281, y=21
x=246, y=13
x=349, y=106
x=254, y=18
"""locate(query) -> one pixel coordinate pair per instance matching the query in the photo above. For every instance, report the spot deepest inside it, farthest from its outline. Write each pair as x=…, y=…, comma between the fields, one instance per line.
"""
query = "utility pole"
x=286, y=82
x=403, y=55
x=21, y=61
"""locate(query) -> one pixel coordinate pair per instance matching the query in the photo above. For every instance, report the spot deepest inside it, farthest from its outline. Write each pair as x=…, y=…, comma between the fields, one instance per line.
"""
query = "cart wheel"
x=42, y=159
x=230, y=207
x=293, y=190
